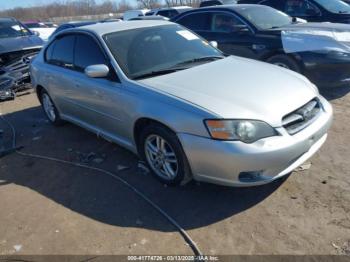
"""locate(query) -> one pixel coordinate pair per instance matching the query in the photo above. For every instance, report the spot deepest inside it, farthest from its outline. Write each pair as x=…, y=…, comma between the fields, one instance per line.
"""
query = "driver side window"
x=300, y=8
x=225, y=23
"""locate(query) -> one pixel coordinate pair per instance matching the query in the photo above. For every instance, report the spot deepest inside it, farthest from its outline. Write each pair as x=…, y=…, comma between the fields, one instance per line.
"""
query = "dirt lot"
x=51, y=208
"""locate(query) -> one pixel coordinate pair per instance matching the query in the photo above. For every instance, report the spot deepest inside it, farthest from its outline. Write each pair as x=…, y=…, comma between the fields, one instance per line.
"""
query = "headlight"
x=247, y=131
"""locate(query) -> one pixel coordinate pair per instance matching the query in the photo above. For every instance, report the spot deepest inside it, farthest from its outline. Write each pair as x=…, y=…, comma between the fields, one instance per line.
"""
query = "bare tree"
x=65, y=8
x=149, y=4
x=123, y=6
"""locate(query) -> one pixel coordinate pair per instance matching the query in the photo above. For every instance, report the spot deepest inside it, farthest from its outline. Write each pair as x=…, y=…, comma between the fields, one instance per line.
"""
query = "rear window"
x=196, y=22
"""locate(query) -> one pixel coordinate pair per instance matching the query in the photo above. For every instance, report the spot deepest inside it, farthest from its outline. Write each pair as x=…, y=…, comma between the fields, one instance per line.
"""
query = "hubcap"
x=161, y=157
x=49, y=108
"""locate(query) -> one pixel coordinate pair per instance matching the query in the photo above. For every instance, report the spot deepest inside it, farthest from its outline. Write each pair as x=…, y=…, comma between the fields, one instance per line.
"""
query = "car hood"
x=19, y=43
x=312, y=37
x=239, y=88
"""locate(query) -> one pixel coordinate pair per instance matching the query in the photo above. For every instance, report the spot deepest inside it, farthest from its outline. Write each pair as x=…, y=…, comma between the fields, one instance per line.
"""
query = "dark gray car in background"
x=18, y=46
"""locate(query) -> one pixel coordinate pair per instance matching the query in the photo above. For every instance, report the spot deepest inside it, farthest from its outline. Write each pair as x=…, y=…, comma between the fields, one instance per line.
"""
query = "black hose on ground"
x=182, y=231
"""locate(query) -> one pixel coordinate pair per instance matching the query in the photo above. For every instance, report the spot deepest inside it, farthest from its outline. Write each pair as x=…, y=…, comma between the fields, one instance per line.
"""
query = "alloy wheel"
x=161, y=157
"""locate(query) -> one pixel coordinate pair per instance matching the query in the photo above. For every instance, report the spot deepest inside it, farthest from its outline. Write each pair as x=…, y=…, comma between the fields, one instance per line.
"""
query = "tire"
x=158, y=159
x=285, y=62
x=50, y=109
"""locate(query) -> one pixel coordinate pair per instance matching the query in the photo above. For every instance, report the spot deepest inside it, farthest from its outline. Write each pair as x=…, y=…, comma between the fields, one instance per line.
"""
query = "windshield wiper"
x=177, y=67
x=200, y=59
x=157, y=73
x=343, y=12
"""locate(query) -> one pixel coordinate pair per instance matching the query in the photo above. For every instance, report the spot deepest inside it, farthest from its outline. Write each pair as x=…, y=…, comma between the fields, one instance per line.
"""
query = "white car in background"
x=134, y=13
x=43, y=30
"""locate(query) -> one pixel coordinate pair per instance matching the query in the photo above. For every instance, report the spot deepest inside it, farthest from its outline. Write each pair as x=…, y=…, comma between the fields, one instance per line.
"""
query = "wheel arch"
x=293, y=56
x=141, y=123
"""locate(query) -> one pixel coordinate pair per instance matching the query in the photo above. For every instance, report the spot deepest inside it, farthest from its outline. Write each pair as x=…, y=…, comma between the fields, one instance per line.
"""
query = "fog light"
x=248, y=177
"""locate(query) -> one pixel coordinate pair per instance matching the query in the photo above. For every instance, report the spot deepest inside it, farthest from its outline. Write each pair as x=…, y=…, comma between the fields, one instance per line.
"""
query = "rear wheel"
x=162, y=151
x=50, y=109
x=285, y=62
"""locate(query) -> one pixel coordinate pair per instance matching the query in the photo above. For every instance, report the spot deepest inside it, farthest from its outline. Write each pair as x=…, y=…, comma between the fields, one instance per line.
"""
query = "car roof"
x=105, y=28
x=151, y=17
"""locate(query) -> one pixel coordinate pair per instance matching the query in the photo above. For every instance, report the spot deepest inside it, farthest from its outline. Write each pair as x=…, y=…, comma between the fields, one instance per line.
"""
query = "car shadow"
x=103, y=198
x=334, y=93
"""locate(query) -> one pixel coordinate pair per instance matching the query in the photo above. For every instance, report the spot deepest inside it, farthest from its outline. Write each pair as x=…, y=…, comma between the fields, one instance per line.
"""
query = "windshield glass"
x=11, y=28
x=143, y=51
x=334, y=6
x=264, y=17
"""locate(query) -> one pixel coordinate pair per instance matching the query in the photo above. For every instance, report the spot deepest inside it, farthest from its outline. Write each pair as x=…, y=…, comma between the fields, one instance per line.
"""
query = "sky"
x=6, y=4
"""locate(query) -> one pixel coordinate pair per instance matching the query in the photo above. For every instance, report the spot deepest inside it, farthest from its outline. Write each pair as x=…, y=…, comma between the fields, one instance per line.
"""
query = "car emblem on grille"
x=305, y=113
x=26, y=60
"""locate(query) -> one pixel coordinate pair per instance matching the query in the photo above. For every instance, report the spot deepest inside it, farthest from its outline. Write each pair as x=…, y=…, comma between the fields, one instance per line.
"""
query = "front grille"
x=302, y=117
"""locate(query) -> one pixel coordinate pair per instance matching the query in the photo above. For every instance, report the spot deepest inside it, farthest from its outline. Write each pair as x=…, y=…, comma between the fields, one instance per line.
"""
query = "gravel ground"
x=52, y=208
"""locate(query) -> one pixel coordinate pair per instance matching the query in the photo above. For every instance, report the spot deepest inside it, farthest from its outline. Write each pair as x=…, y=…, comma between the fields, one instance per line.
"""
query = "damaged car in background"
x=18, y=46
x=320, y=51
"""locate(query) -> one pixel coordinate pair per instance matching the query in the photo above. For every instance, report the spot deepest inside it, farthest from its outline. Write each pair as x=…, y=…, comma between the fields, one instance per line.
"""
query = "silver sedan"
x=169, y=96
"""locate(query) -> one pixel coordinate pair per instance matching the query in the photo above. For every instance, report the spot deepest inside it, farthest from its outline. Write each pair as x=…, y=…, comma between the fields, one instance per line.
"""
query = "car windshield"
x=150, y=51
x=334, y=6
x=11, y=28
x=264, y=17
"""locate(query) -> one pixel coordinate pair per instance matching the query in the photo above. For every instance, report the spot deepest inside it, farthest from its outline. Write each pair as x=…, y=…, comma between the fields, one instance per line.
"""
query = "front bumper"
x=222, y=162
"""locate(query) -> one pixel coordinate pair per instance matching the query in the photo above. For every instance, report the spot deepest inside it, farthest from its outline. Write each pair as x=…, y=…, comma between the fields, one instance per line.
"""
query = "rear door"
x=59, y=72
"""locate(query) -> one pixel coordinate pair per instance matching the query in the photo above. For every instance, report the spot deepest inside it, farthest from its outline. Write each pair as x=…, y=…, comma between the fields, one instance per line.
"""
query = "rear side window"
x=172, y=13
x=87, y=52
x=62, y=53
x=168, y=13
x=196, y=22
x=163, y=13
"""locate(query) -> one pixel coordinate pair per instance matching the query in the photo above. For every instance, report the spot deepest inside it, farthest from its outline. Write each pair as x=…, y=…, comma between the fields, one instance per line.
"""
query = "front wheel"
x=285, y=62
x=164, y=154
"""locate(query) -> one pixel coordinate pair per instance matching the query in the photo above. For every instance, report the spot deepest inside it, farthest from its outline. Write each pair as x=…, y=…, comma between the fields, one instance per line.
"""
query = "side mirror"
x=214, y=44
x=97, y=71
